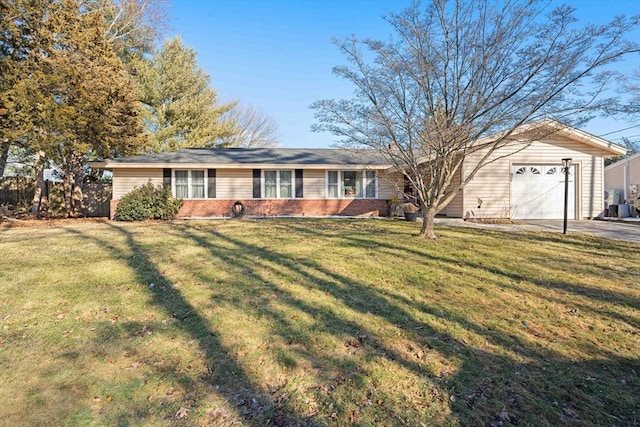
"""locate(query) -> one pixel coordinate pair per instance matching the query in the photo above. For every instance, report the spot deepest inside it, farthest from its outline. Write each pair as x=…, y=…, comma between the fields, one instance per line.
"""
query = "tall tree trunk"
x=77, y=199
x=67, y=185
x=428, y=222
x=4, y=155
x=38, y=184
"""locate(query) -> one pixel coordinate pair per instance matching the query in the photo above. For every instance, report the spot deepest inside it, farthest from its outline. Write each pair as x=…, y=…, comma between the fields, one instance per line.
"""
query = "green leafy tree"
x=459, y=71
x=74, y=100
x=181, y=107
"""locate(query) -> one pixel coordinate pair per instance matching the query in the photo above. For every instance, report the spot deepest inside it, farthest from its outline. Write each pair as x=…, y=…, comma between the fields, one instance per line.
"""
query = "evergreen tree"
x=97, y=112
x=73, y=101
x=181, y=107
x=21, y=36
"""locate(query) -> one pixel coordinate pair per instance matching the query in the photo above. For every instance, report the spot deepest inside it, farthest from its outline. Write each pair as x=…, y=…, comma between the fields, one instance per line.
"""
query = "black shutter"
x=299, y=186
x=256, y=183
x=166, y=178
x=211, y=183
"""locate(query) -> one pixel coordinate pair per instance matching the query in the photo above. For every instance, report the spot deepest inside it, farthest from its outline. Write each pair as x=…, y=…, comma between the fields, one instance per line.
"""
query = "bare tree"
x=463, y=77
x=253, y=128
x=133, y=25
x=630, y=88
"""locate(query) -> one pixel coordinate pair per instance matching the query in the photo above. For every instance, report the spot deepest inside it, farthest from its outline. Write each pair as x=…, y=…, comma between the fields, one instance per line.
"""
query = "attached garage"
x=526, y=181
x=537, y=192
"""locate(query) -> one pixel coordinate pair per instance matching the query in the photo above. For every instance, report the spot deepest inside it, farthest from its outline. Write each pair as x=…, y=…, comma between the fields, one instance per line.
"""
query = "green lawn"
x=315, y=322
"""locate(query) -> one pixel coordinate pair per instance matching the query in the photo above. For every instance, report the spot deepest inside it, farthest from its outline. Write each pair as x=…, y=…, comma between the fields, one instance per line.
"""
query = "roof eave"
x=622, y=162
x=610, y=148
x=175, y=165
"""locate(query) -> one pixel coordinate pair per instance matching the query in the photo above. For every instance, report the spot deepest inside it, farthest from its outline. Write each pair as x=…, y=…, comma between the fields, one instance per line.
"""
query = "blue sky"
x=277, y=55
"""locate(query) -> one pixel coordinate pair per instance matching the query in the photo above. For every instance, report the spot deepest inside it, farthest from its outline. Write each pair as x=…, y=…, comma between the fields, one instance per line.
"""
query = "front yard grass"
x=315, y=322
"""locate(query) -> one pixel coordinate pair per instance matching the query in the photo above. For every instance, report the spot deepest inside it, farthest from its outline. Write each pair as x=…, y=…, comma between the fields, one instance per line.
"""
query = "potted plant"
x=411, y=212
x=394, y=208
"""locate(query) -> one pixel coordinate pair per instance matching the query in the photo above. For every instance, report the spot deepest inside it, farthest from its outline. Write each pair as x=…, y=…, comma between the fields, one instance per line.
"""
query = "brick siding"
x=294, y=207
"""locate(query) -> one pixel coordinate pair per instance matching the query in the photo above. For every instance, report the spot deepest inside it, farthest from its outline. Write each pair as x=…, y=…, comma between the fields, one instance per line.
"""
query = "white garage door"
x=537, y=192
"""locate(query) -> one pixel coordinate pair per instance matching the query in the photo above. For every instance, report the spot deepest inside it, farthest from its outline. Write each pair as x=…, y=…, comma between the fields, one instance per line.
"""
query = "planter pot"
x=412, y=216
x=395, y=210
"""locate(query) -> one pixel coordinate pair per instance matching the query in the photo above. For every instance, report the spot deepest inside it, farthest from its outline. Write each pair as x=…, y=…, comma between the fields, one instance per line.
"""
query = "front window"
x=197, y=184
x=285, y=185
x=182, y=184
x=370, y=184
x=189, y=184
x=278, y=184
x=332, y=184
x=271, y=184
x=352, y=184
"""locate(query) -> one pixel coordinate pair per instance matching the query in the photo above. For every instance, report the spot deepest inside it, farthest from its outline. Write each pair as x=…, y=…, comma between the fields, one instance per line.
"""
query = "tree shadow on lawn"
x=574, y=241
x=506, y=384
x=586, y=299
x=252, y=403
x=560, y=265
x=509, y=384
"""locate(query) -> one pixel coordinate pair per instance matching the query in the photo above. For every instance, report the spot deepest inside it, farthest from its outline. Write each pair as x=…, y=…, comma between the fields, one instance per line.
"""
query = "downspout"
x=624, y=182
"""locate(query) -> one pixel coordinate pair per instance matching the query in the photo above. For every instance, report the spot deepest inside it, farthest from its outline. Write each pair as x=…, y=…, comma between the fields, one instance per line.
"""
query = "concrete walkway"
x=629, y=231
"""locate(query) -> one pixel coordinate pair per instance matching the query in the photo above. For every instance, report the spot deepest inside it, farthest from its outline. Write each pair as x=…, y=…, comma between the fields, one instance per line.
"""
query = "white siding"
x=634, y=171
x=492, y=184
x=455, y=207
x=237, y=184
x=614, y=178
x=314, y=183
x=125, y=180
x=389, y=185
x=234, y=184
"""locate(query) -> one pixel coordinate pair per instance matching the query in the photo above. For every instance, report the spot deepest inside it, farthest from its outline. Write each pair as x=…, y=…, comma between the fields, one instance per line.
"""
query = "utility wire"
x=626, y=137
x=616, y=131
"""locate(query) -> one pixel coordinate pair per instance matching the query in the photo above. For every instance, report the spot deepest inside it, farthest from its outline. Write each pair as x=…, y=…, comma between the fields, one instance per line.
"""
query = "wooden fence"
x=97, y=197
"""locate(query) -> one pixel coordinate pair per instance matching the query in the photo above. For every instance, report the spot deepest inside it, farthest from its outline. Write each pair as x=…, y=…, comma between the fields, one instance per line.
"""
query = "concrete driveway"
x=620, y=230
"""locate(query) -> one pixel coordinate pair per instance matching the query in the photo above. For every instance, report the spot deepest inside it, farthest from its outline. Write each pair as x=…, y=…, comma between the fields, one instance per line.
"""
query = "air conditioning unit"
x=624, y=211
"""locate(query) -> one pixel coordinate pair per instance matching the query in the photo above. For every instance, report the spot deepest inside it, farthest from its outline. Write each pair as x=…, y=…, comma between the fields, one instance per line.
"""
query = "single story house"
x=268, y=181
x=622, y=180
x=528, y=184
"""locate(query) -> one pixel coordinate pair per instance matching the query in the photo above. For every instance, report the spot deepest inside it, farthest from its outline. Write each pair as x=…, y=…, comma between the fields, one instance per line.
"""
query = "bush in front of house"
x=148, y=202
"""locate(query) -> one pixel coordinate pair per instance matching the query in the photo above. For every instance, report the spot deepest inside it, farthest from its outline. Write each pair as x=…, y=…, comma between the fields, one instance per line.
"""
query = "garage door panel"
x=537, y=192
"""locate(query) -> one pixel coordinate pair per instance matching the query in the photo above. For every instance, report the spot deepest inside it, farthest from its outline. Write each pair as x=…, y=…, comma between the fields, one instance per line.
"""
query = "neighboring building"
x=622, y=180
x=322, y=182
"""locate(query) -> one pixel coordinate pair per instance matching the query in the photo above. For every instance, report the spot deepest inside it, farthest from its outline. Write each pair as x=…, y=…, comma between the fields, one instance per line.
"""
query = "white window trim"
x=189, y=183
x=277, y=171
x=341, y=180
x=375, y=181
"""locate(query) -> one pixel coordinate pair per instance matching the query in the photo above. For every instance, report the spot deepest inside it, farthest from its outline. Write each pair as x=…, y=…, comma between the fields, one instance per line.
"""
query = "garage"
x=537, y=192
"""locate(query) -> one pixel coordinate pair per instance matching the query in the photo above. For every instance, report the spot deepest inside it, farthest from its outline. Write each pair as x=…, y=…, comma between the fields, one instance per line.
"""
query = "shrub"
x=148, y=202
